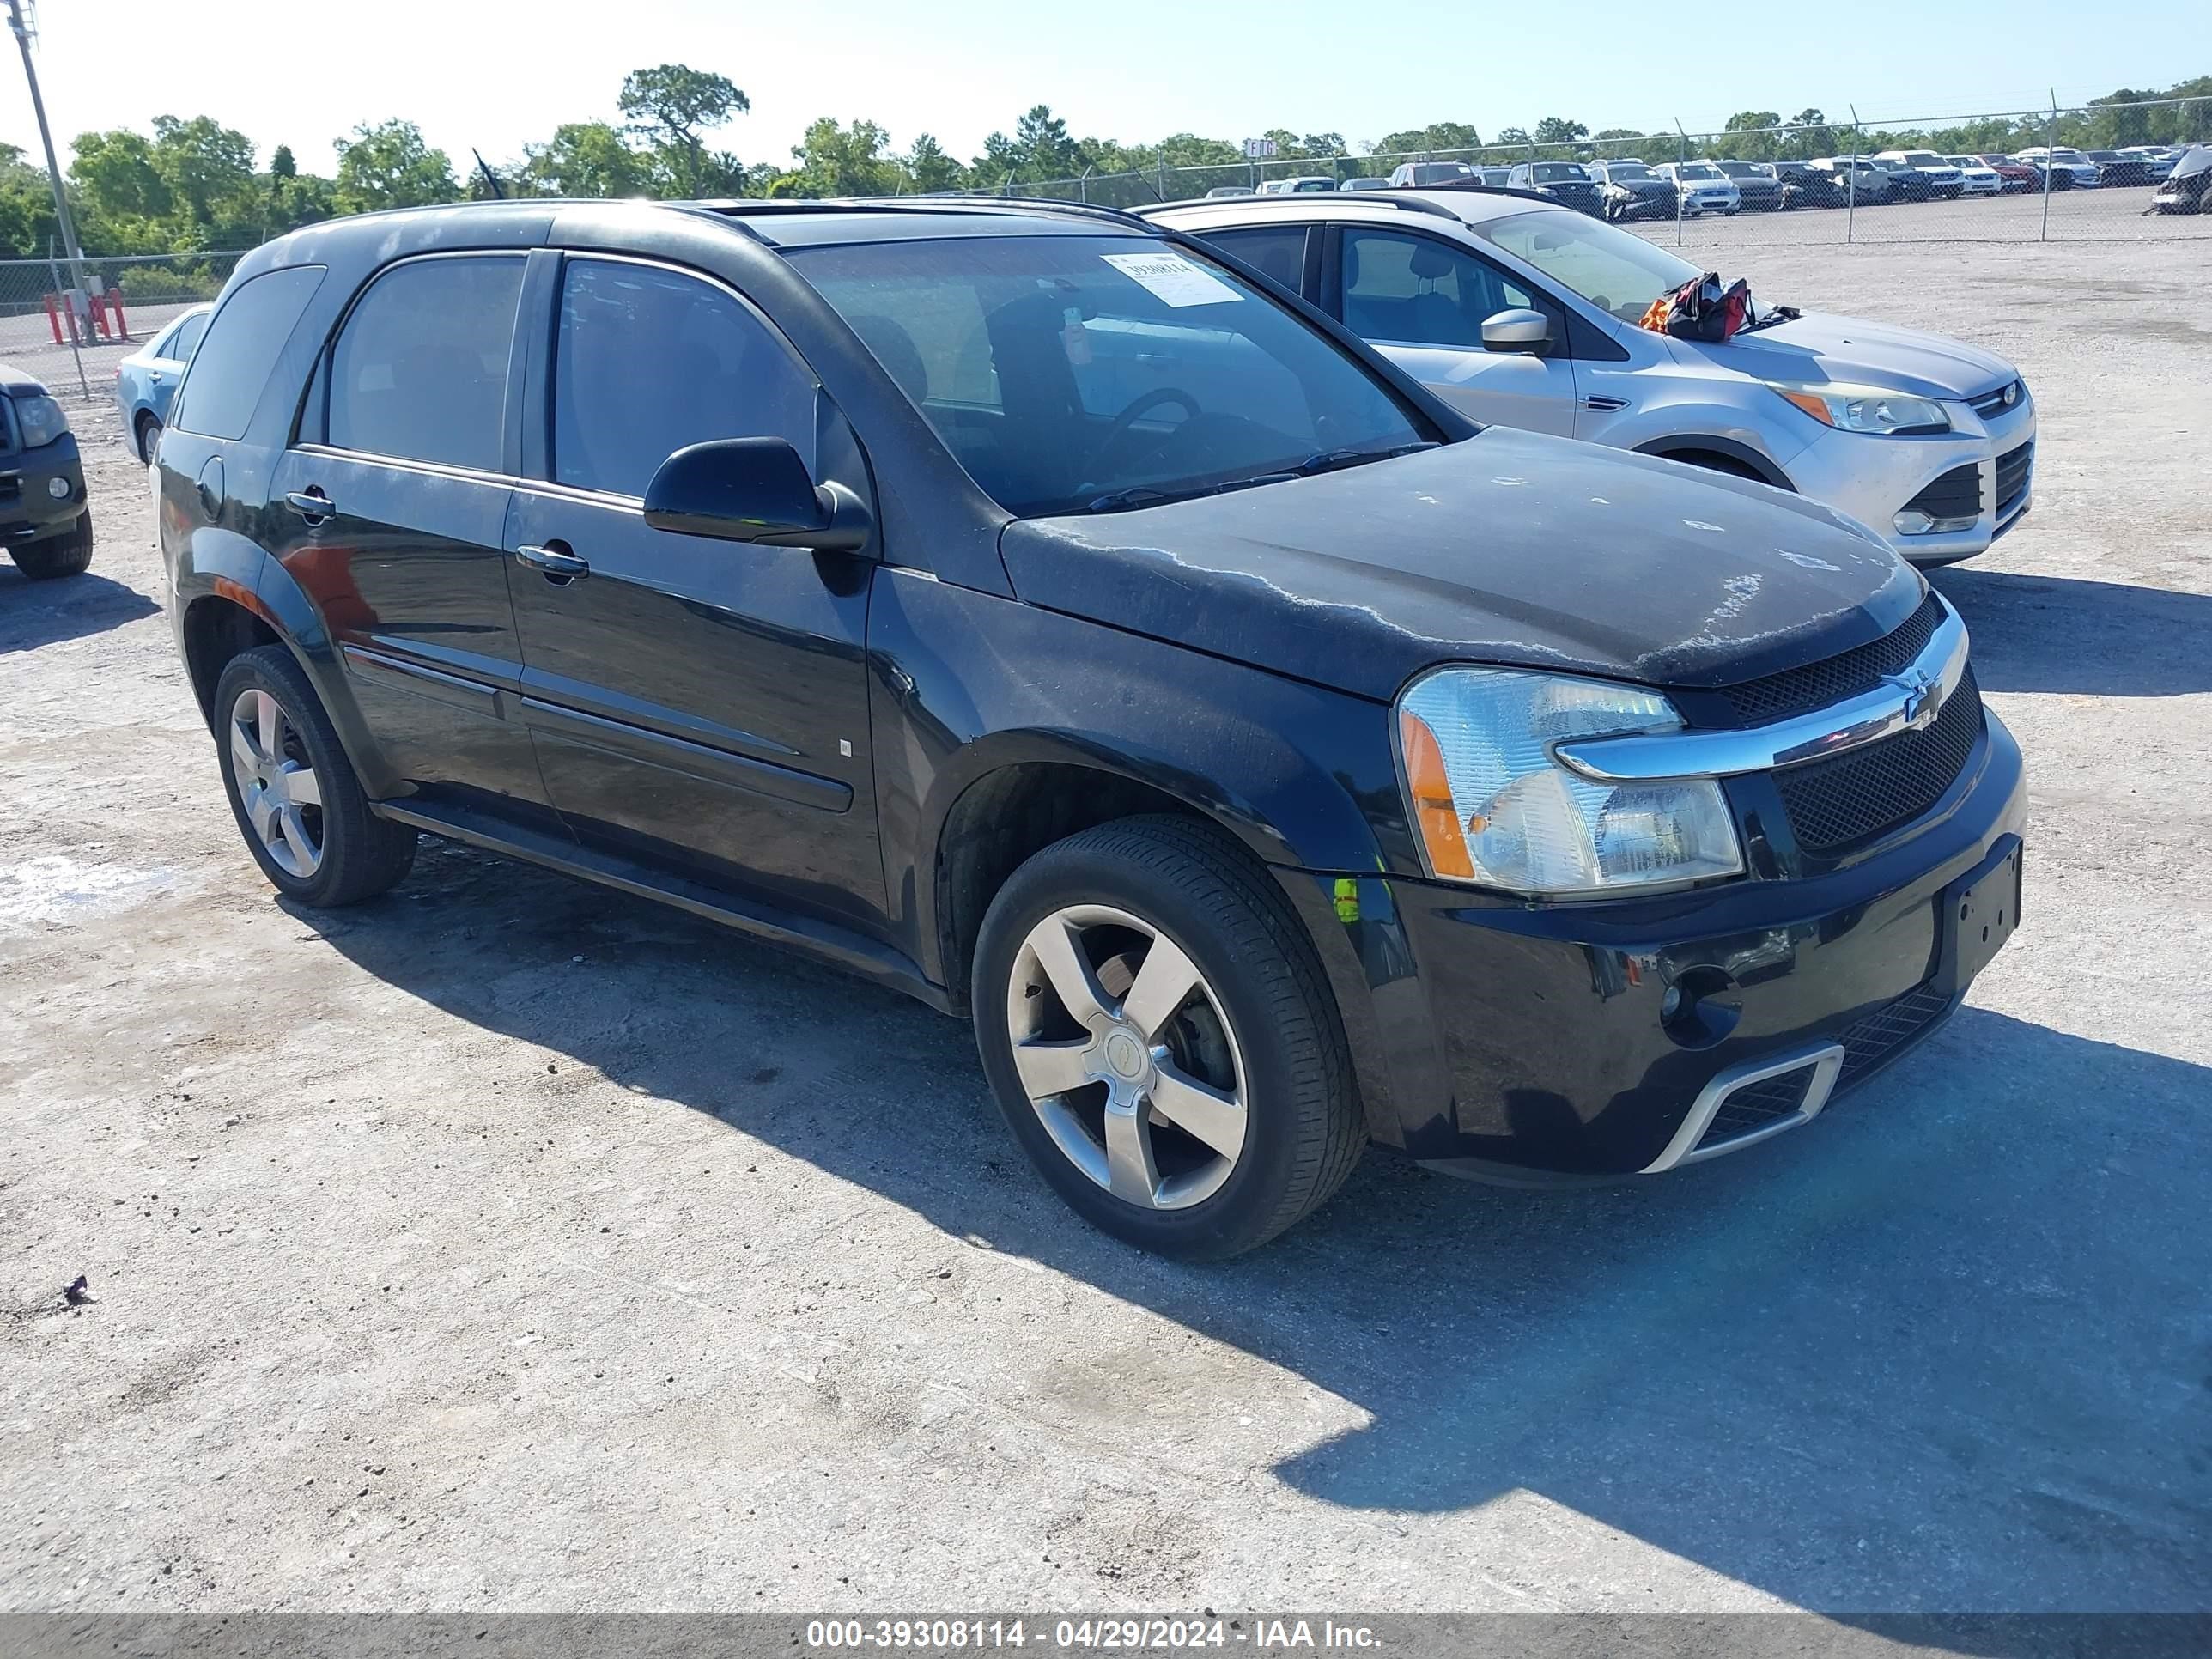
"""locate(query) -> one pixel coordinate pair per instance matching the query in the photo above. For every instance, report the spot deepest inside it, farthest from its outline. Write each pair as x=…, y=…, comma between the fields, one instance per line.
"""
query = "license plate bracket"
x=1977, y=914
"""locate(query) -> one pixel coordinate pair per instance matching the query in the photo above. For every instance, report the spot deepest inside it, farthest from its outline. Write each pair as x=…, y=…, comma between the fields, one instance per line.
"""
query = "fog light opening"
x=58, y=488
x=1694, y=1012
x=1913, y=522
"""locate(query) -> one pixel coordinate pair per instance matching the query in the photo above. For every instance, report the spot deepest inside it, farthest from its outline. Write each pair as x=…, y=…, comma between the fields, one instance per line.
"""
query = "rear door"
x=1421, y=301
x=390, y=512
x=697, y=704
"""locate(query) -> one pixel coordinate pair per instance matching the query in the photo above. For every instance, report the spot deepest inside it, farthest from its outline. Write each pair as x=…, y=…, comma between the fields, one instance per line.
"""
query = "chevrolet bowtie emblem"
x=1923, y=696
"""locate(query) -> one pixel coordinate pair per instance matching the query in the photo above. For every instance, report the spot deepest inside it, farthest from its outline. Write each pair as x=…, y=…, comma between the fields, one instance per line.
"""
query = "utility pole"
x=47, y=138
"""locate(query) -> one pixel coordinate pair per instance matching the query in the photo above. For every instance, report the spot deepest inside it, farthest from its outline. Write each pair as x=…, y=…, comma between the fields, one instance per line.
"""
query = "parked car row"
x=1071, y=620
x=1628, y=188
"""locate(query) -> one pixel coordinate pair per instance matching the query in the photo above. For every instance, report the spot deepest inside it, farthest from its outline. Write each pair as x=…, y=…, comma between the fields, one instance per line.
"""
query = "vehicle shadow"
x=2062, y=634
x=1946, y=1350
x=32, y=614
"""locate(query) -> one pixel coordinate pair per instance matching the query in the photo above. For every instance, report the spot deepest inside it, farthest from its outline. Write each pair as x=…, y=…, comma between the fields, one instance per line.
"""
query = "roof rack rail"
x=1367, y=198
x=762, y=207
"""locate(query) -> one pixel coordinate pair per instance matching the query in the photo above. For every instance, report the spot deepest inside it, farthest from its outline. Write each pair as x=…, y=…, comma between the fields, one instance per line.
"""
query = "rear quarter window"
x=231, y=368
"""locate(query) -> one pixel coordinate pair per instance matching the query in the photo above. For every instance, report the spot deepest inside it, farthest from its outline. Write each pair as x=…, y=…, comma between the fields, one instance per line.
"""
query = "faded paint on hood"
x=1816, y=348
x=1508, y=548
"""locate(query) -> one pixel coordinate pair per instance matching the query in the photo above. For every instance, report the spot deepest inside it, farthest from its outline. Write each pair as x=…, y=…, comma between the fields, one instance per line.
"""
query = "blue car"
x=147, y=378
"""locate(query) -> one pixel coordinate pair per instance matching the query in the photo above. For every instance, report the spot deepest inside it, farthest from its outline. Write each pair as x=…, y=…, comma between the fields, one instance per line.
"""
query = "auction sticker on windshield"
x=1172, y=278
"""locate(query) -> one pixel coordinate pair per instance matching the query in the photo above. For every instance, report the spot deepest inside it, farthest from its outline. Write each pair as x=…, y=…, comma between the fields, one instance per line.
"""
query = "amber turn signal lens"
x=1435, y=816
x=1812, y=405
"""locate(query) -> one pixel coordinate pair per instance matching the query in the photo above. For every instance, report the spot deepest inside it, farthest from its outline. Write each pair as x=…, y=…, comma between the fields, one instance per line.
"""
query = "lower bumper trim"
x=1823, y=1062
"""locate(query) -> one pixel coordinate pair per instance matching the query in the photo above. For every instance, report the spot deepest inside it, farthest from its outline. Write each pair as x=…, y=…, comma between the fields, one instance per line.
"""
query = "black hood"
x=1507, y=548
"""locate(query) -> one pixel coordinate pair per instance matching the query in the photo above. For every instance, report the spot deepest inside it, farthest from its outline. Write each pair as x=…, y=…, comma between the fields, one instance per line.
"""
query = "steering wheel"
x=1144, y=401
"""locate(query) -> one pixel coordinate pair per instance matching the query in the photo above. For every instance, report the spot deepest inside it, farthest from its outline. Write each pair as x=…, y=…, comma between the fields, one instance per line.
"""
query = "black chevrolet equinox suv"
x=1033, y=609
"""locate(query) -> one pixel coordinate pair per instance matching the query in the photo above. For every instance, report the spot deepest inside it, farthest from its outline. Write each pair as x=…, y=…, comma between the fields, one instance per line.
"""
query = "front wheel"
x=292, y=790
x=1162, y=1041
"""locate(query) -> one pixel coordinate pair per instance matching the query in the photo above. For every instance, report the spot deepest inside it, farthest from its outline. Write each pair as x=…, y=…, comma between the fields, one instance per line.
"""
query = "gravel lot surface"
x=506, y=1243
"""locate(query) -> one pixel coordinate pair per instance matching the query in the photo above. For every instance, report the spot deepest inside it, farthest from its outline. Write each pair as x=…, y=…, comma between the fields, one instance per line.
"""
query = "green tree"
x=929, y=168
x=672, y=105
x=1748, y=136
x=1558, y=129
x=586, y=158
x=1516, y=136
x=836, y=161
x=1810, y=135
x=209, y=170
x=27, y=207
x=389, y=165
x=122, y=203
x=1438, y=135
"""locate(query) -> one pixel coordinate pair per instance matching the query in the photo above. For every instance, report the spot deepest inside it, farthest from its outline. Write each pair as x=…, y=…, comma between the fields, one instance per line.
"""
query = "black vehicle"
x=1567, y=183
x=2115, y=170
x=1029, y=608
x=1806, y=186
x=1629, y=191
x=44, y=522
x=1760, y=190
x=2188, y=188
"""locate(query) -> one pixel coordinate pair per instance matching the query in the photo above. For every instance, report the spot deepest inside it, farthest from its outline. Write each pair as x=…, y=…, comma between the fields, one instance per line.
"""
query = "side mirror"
x=753, y=489
x=1517, y=331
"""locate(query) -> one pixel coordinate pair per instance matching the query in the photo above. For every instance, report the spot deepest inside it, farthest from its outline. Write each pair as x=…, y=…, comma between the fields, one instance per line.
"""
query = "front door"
x=1421, y=301
x=391, y=512
x=697, y=704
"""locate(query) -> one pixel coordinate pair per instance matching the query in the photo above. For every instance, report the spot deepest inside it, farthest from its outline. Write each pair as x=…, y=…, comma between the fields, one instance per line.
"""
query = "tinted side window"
x=242, y=345
x=1419, y=292
x=1276, y=252
x=419, y=372
x=186, y=340
x=649, y=361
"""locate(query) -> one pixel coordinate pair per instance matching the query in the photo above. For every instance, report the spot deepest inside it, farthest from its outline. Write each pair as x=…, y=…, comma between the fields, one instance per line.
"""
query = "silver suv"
x=1527, y=315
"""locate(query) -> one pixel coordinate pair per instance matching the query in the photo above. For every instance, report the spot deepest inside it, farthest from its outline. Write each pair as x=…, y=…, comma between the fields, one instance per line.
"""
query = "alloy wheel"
x=1127, y=1057
x=277, y=783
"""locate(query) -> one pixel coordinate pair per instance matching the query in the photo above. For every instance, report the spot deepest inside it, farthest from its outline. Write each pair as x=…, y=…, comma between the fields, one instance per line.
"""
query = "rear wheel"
x=149, y=437
x=294, y=793
x=65, y=555
x=1161, y=1039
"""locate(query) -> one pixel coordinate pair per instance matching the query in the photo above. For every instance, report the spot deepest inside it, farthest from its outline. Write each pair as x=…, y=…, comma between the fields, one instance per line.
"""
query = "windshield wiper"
x=1329, y=460
x=1324, y=460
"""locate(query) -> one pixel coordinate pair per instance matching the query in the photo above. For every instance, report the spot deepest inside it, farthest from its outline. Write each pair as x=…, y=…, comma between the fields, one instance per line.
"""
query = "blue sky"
x=493, y=76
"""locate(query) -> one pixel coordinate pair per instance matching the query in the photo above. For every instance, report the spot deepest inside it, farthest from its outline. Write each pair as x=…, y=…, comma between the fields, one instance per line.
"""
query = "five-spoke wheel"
x=1161, y=1038
x=276, y=783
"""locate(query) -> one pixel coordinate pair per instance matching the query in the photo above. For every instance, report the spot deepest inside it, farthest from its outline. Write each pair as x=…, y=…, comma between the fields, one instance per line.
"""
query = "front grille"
x=1993, y=403
x=1884, y=1031
x=1816, y=685
x=1956, y=495
x=1866, y=1044
x=1836, y=803
x=1758, y=1104
x=2014, y=467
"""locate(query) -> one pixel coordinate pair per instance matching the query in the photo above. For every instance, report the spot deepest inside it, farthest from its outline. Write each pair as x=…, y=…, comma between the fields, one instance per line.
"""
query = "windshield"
x=1740, y=170
x=1620, y=170
x=1557, y=173
x=1614, y=270
x=1700, y=170
x=1101, y=372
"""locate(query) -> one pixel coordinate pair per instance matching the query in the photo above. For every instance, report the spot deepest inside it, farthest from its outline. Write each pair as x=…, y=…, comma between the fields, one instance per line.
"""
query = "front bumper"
x=29, y=510
x=1872, y=479
x=1527, y=1043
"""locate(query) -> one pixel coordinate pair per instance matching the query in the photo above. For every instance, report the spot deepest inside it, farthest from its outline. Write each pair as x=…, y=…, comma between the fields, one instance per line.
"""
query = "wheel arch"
x=1693, y=447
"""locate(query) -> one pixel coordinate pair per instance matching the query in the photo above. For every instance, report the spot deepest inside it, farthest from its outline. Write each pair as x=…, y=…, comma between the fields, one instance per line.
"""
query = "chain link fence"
x=2088, y=173
x=126, y=300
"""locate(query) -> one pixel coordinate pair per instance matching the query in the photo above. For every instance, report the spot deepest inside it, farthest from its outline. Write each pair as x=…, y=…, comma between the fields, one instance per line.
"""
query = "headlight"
x=1867, y=409
x=40, y=420
x=1492, y=806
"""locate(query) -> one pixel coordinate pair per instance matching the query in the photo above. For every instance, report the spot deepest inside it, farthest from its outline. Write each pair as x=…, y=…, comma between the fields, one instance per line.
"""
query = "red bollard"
x=115, y=304
x=54, y=317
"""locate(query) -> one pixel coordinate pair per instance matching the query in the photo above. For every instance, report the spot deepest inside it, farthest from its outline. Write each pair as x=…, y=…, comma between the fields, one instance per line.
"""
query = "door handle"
x=310, y=503
x=558, y=563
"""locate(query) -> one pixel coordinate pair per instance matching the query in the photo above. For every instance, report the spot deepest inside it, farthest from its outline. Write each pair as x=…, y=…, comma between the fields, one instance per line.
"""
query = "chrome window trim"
x=1906, y=702
x=1826, y=1058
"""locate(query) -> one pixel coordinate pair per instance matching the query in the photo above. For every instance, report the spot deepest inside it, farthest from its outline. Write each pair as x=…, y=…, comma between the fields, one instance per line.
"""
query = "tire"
x=149, y=437
x=1710, y=461
x=66, y=555
x=1258, y=1024
x=355, y=854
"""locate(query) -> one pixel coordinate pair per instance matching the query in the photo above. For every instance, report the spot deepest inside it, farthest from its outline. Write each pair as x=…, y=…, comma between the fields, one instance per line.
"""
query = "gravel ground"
x=509, y=1244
